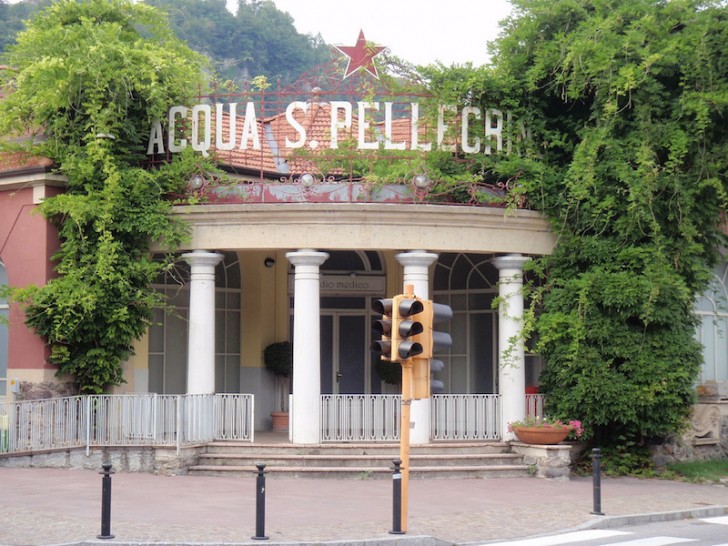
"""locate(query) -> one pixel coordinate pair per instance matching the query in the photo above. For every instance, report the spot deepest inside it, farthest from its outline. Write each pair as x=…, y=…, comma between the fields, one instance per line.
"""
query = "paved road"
x=59, y=506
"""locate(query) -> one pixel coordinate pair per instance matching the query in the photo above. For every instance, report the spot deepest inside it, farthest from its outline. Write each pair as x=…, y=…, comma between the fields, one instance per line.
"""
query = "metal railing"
x=124, y=420
x=372, y=418
x=376, y=418
x=465, y=417
x=177, y=420
x=360, y=417
x=534, y=405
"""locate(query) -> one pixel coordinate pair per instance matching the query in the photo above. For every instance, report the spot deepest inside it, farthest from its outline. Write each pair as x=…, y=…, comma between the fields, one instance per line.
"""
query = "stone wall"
x=156, y=460
x=705, y=438
x=547, y=461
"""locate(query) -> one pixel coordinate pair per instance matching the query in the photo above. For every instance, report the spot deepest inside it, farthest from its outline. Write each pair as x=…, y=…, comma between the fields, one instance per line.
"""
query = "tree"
x=91, y=77
x=12, y=17
x=626, y=103
x=628, y=100
x=258, y=40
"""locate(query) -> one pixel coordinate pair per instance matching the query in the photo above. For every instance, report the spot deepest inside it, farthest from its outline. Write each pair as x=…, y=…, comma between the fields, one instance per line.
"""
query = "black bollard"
x=260, y=503
x=397, y=498
x=597, y=480
x=106, y=502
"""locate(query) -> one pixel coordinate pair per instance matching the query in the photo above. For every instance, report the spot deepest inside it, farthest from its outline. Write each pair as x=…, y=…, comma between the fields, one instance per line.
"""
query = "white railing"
x=234, y=417
x=360, y=417
x=534, y=405
x=373, y=418
x=465, y=417
x=124, y=420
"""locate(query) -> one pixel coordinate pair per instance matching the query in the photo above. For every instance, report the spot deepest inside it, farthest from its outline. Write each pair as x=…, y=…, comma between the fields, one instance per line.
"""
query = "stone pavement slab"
x=60, y=506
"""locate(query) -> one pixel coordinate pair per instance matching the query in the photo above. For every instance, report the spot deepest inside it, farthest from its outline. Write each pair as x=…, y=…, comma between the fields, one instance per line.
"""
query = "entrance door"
x=343, y=352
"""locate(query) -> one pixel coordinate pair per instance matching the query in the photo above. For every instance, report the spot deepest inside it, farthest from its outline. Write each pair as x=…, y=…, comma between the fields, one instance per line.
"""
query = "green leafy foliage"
x=258, y=39
x=632, y=98
x=625, y=103
x=91, y=77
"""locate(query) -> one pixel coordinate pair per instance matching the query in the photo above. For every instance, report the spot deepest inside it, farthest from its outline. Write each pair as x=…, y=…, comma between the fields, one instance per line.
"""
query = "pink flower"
x=576, y=428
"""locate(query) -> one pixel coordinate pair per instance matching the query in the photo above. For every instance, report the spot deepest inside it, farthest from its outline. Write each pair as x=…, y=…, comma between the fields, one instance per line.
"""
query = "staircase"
x=363, y=461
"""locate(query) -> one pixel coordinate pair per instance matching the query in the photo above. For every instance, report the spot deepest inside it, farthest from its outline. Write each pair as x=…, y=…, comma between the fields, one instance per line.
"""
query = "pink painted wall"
x=27, y=242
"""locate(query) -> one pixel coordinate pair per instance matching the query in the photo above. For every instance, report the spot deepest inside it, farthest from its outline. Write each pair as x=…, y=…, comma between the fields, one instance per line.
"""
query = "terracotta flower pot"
x=541, y=435
x=280, y=421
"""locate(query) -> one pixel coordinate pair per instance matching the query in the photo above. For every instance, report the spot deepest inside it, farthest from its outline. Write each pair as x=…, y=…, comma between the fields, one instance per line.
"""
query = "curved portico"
x=399, y=231
x=367, y=226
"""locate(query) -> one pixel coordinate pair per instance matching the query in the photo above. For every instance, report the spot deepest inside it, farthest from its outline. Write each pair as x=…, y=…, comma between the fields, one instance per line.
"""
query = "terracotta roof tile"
x=14, y=161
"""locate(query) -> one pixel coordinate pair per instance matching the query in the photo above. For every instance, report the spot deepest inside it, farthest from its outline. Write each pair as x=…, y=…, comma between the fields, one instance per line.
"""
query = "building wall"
x=27, y=243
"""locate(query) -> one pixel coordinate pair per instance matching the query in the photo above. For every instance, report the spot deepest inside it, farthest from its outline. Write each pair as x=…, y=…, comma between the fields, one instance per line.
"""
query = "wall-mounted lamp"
x=196, y=182
x=421, y=182
x=307, y=180
x=269, y=262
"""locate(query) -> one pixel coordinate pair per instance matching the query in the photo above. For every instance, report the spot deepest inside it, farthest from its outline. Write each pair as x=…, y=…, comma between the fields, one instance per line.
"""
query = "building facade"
x=295, y=244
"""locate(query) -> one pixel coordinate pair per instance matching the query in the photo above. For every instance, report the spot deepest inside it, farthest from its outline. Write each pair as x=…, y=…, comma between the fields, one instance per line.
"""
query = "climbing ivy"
x=89, y=78
x=626, y=103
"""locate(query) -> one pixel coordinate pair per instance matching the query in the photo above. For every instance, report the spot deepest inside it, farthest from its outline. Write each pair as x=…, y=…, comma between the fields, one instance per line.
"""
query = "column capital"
x=416, y=258
x=202, y=258
x=307, y=256
x=510, y=262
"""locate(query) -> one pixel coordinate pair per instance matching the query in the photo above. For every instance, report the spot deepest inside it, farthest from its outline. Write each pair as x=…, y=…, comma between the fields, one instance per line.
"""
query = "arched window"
x=468, y=284
x=168, y=333
x=712, y=330
x=4, y=310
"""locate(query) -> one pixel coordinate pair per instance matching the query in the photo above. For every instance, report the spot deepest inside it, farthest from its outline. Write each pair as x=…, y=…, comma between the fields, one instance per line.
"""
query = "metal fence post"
x=260, y=503
x=106, y=502
x=597, y=480
x=397, y=498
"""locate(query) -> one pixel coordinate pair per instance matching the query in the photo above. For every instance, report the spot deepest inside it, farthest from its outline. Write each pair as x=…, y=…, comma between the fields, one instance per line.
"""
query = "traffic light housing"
x=383, y=327
x=399, y=326
x=424, y=365
x=405, y=329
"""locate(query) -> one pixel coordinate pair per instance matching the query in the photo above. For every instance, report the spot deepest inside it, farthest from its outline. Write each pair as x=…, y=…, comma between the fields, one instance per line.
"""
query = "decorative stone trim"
x=549, y=461
x=28, y=390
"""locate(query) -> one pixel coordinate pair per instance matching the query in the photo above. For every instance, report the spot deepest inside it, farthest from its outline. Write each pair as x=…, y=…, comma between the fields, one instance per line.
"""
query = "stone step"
x=355, y=460
x=449, y=460
x=473, y=471
x=389, y=449
x=359, y=460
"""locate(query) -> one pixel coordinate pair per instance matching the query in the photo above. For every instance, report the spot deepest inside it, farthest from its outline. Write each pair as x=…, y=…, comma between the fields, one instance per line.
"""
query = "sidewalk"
x=58, y=506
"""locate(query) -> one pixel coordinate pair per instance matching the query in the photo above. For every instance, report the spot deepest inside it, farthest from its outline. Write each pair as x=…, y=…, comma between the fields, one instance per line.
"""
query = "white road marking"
x=566, y=538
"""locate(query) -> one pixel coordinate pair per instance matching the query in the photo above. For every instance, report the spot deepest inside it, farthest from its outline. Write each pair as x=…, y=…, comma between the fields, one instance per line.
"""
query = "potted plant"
x=544, y=430
x=278, y=358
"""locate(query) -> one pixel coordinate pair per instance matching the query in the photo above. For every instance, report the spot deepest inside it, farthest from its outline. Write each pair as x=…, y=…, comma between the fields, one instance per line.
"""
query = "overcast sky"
x=419, y=31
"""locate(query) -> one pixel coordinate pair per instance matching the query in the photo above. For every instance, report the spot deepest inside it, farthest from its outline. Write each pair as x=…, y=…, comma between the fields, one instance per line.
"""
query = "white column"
x=201, y=334
x=306, y=407
x=511, y=354
x=416, y=265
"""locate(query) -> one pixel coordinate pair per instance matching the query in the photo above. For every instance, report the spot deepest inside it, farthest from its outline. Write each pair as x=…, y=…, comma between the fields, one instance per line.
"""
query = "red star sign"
x=361, y=56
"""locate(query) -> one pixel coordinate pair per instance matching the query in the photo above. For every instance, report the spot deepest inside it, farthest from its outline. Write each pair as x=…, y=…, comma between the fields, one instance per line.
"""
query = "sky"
x=418, y=31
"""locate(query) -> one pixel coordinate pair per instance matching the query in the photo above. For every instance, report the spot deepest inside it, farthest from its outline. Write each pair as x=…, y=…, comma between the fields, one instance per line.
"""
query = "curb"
x=608, y=522
x=394, y=541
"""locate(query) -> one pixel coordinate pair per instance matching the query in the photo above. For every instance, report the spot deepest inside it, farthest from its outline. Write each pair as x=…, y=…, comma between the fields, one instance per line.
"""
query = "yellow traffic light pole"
x=404, y=437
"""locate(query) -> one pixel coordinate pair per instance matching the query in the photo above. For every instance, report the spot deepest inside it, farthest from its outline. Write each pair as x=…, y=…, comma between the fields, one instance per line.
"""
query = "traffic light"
x=383, y=327
x=405, y=328
x=432, y=341
x=397, y=327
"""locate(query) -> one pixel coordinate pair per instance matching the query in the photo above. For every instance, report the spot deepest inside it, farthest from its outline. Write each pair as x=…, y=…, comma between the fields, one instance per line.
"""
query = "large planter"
x=541, y=435
x=280, y=421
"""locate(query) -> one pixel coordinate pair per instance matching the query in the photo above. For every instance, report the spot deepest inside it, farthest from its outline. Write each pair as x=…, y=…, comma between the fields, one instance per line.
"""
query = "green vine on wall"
x=90, y=77
x=627, y=102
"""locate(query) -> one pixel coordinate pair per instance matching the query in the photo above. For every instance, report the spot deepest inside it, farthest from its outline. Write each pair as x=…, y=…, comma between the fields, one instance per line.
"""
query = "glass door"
x=343, y=352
